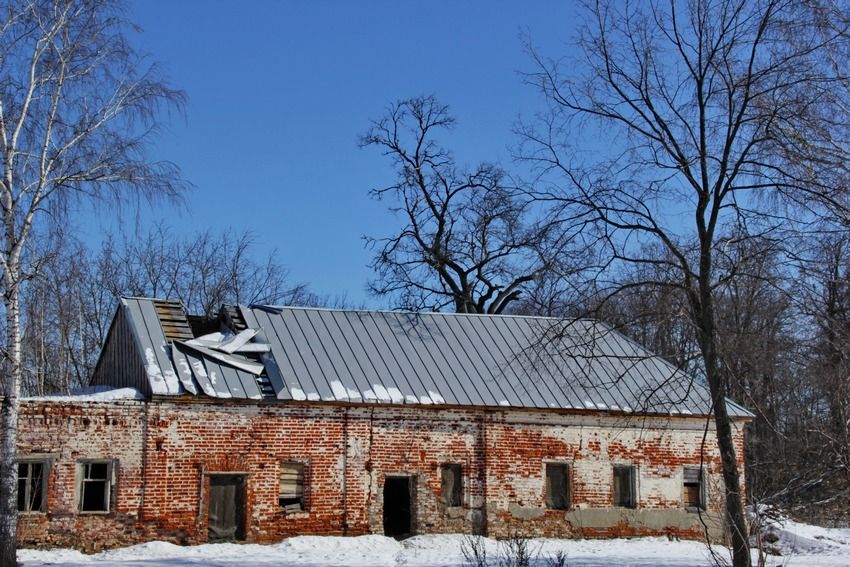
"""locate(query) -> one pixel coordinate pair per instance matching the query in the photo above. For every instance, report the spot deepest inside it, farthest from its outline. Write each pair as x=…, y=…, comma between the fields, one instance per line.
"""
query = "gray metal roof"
x=292, y=353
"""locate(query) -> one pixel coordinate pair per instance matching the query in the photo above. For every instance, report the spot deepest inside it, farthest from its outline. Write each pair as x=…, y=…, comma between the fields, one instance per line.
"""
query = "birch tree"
x=682, y=127
x=77, y=107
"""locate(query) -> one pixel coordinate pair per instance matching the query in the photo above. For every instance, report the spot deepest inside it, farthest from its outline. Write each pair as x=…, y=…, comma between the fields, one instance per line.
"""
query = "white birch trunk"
x=10, y=405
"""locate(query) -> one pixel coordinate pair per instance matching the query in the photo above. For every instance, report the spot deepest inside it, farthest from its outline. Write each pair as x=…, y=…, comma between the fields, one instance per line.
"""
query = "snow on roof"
x=93, y=394
x=390, y=357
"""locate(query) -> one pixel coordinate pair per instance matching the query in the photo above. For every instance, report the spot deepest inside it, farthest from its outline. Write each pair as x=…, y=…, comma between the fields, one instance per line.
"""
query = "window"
x=291, y=495
x=693, y=478
x=624, y=486
x=452, y=478
x=32, y=486
x=557, y=486
x=95, y=486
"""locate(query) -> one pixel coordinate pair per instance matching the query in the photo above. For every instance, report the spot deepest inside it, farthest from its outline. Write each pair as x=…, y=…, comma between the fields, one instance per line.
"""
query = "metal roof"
x=293, y=353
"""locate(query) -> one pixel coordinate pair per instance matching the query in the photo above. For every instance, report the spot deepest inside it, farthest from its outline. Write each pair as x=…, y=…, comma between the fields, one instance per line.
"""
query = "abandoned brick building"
x=269, y=422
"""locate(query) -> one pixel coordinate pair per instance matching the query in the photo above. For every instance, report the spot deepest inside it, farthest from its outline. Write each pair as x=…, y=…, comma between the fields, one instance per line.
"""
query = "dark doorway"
x=398, y=497
x=226, y=520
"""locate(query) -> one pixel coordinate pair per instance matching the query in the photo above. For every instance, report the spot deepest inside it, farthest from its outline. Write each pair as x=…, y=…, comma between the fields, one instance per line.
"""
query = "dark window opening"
x=32, y=483
x=452, y=484
x=625, y=486
x=694, y=489
x=291, y=494
x=95, y=486
x=557, y=486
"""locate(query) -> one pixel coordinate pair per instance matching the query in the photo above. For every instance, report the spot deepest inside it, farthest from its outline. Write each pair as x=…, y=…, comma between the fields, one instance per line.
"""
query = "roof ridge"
x=408, y=312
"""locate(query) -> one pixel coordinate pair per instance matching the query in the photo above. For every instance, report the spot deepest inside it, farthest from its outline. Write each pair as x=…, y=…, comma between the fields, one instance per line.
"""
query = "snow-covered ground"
x=804, y=546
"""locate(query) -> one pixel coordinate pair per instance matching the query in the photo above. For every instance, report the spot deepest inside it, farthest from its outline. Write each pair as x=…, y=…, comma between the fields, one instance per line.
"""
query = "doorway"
x=226, y=515
x=398, y=506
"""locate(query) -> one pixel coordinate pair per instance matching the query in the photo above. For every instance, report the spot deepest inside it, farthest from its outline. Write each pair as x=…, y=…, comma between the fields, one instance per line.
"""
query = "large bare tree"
x=687, y=127
x=77, y=107
x=468, y=240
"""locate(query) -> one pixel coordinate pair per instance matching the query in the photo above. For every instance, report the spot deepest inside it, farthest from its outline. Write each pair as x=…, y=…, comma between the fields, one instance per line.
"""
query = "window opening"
x=557, y=486
x=291, y=495
x=32, y=484
x=625, y=486
x=95, y=486
x=694, y=488
x=452, y=484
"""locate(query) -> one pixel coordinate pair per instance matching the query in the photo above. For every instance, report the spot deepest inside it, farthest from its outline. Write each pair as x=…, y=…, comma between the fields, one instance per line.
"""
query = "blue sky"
x=279, y=92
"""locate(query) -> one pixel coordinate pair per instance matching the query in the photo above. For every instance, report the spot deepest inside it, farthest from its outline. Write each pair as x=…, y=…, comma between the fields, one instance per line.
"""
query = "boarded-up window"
x=291, y=496
x=694, y=488
x=95, y=486
x=557, y=486
x=32, y=484
x=452, y=484
x=625, y=488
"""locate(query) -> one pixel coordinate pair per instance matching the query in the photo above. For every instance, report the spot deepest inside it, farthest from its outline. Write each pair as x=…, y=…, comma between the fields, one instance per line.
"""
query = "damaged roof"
x=329, y=355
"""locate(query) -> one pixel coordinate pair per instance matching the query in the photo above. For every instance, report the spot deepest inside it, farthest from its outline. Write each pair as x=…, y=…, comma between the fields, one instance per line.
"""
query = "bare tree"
x=57, y=346
x=468, y=240
x=202, y=270
x=77, y=106
x=697, y=112
x=821, y=420
x=68, y=306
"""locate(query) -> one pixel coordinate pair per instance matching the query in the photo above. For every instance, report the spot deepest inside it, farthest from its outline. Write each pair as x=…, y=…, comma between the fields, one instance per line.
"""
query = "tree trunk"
x=10, y=404
x=735, y=516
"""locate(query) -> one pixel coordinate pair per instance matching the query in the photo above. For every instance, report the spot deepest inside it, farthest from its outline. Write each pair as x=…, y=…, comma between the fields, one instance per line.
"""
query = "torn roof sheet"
x=291, y=353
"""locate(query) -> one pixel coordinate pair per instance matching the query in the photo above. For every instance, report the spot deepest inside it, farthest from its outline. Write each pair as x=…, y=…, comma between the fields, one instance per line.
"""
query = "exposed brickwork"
x=166, y=452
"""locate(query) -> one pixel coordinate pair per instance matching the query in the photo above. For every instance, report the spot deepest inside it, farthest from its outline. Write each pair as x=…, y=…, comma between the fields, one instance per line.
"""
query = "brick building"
x=270, y=422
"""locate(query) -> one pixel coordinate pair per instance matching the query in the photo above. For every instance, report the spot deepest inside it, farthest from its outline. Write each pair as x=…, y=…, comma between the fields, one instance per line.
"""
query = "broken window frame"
x=84, y=484
x=629, y=482
x=694, y=476
x=454, y=473
x=299, y=496
x=550, y=497
x=28, y=478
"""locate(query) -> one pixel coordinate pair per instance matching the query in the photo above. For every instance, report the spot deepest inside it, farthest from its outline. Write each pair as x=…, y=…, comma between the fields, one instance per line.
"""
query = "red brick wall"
x=348, y=453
